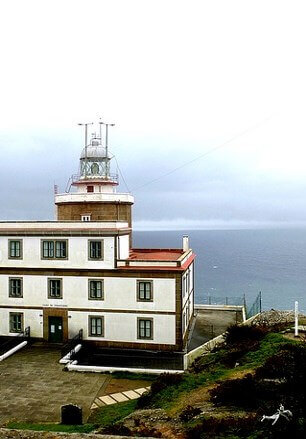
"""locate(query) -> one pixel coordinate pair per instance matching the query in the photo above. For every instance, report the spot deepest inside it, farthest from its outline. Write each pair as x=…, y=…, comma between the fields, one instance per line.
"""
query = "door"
x=55, y=329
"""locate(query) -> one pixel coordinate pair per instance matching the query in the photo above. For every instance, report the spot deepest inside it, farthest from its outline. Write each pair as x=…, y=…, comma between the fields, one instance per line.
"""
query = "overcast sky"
x=179, y=79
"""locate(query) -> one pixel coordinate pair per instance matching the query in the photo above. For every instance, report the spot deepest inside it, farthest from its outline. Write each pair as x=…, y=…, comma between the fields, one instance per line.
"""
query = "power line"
x=222, y=145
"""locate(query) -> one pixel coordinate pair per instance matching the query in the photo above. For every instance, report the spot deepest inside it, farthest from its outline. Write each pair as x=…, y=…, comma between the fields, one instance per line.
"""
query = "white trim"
x=66, y=358
x=13, y=350
x=103, y=369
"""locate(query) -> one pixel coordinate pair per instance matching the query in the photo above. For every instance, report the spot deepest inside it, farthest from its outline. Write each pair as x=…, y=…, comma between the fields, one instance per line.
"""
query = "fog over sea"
x=236, y=262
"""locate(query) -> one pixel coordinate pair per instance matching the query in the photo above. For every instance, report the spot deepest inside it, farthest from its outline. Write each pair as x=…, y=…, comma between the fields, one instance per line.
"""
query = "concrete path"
x=33, y=386
x=210, y=323
x=114, y=398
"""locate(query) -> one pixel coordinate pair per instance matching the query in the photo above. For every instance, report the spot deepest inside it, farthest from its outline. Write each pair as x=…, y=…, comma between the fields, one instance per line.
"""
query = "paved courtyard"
x=33, y=386
x=210, y=323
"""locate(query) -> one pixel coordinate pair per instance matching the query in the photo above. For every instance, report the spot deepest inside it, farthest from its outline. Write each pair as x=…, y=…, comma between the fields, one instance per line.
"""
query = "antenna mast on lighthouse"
x=86, y=138
x=106, y=142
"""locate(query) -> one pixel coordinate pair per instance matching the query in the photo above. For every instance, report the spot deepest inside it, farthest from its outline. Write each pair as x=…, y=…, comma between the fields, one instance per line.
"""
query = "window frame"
x=139, y=337
x=89, y=289
x=10, y=294
x=86, y=218
x=144, y=281
x=54, y=257
x=50, y=279
x=20, y=249
x=101, y=241
x=11, y=315
x=90, y=318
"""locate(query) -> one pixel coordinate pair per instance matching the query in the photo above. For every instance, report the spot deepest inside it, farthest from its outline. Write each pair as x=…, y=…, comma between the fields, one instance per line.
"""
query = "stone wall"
x=27, y=434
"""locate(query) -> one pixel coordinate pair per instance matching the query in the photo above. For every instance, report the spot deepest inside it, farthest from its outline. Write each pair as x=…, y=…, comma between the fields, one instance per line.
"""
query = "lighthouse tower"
x=91, y=194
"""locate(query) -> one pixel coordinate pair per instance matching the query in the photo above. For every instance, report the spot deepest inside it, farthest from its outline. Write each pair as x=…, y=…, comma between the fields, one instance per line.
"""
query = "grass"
x=85, y=428
x=134, y=376
x=173, y=397
x=108, y=415
x=102, y=417
x=167, y=398
x=269, y=346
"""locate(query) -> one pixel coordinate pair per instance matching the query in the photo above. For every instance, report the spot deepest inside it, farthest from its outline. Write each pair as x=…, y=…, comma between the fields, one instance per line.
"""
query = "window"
x=15, y=287
x=144, y=290
x=55, y=288
x=54, y=249
x=90, y=188
x=15, y=249
x=96, y=326
x=16, y=322
x=96, y=289
x=145, y=329
x=85, y=217
x=95, y=250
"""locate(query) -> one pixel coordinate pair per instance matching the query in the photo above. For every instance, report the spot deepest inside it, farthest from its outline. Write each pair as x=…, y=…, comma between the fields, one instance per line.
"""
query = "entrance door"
x=55, y=329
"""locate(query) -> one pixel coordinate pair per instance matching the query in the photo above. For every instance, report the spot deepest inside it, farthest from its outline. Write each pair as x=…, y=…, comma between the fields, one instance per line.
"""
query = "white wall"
x=32, y=318
x=123, y=327
x=187, y=297
x=117, y=326
x=77, y=253
x=119, y=293
x=124, y=247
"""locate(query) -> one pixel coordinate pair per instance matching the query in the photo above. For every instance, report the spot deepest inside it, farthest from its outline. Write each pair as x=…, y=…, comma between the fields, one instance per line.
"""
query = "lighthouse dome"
x=94, y=151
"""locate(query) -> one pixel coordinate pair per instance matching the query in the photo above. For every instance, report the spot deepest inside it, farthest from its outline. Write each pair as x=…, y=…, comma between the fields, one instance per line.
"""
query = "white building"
x=80, y=272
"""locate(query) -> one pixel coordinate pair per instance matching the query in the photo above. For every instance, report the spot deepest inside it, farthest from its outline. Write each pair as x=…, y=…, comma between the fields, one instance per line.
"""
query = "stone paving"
x=33, y=386
x=114, y=398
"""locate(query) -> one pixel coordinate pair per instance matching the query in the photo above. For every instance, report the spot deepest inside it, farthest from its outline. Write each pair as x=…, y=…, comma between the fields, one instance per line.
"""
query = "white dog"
x=287, y=414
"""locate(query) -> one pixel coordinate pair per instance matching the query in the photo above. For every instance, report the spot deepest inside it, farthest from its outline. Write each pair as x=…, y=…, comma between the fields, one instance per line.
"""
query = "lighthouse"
x=91, y=195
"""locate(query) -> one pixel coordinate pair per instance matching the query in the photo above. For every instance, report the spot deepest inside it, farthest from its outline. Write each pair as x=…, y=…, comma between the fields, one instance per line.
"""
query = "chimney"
x=185, y=243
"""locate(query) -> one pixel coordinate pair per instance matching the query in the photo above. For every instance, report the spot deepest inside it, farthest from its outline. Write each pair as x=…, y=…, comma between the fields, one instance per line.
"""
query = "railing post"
x=259, y=301
x=226, y=300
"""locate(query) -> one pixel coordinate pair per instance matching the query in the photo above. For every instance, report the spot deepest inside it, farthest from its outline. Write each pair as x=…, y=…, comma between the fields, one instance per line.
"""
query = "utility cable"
x=121, y=174
x=222, y=145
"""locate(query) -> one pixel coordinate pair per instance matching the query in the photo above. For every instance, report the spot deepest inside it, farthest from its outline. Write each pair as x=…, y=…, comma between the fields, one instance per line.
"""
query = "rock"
x=274, y=317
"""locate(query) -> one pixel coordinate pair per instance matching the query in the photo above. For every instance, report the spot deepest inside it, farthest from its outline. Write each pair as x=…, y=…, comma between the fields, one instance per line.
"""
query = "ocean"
x=236, y=262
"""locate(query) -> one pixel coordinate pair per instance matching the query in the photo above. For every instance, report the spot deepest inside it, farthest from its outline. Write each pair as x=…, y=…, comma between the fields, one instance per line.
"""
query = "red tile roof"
x=155, y=254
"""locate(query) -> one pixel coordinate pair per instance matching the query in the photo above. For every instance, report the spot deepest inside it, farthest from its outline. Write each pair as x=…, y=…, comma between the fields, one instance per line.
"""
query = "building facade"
x=81, y=272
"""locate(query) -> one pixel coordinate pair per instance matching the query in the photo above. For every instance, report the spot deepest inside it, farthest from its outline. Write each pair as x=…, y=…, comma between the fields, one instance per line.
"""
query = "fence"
x=255, y=308
x=236, y=301
x=225, y=300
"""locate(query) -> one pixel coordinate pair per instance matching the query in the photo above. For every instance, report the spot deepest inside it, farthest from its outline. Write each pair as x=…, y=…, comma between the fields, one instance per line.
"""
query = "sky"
x=208, y=98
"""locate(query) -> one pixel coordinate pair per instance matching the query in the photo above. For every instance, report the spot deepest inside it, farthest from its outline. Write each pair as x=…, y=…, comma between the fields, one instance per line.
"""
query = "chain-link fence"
x=224, y=300
x=255, y=308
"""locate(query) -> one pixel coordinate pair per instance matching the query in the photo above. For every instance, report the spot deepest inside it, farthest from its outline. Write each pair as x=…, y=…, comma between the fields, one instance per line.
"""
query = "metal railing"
x=71, y=344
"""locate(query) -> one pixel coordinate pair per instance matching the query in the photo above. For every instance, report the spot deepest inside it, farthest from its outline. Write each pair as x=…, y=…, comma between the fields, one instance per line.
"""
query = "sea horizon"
x=234, y=262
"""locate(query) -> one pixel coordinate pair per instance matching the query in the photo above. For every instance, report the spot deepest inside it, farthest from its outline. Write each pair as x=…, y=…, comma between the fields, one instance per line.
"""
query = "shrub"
x=248, y=393
x=188, y=413
x=164, y=380
x=223, y=427
x=244, y=334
